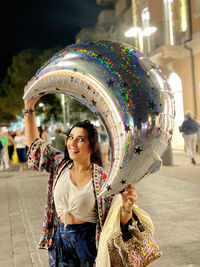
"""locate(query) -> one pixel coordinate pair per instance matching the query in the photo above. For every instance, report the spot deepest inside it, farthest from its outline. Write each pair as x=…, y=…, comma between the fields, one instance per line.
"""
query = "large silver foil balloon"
x=127, y=91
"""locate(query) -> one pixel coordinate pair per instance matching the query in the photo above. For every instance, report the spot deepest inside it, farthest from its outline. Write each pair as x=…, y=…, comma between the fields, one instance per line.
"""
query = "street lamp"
x=148, y=31
x=133, y=32
x=140, y=33
x=63, y=108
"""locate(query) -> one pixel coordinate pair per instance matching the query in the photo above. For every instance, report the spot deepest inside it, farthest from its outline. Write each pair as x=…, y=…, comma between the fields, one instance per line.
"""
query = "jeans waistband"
x=75, y=227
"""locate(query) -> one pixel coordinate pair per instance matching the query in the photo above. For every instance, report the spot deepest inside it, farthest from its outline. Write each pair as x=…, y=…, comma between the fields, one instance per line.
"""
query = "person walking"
x=74, y=214
x=189, y=128
x=20, y=147
x=45, y=135
x=59, y=141
x=1, y=149
x=11, y=145
x=4, y=164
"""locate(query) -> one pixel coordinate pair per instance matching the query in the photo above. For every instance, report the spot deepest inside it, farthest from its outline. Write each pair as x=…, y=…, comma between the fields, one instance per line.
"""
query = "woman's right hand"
x=30, y=104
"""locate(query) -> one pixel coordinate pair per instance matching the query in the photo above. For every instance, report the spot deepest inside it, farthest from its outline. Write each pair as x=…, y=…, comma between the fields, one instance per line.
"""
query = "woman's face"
x=78, y=145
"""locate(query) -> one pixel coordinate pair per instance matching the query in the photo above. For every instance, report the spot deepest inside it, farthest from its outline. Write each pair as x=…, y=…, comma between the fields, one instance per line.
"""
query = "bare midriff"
x=70, y=219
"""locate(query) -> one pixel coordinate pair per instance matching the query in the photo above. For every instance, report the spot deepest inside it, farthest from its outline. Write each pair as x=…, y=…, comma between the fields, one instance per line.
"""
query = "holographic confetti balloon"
x=130, y=95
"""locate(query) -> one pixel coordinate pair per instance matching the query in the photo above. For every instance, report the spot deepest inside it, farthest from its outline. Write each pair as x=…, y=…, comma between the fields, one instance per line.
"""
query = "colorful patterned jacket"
x=43, y=156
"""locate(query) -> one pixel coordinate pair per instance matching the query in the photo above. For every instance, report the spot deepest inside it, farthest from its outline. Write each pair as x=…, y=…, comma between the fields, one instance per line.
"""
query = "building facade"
x=174, y=46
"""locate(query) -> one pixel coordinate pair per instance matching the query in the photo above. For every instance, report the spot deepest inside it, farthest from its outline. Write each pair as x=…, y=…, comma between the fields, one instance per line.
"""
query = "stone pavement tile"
x=4, y=200
x=43, y=258
x=21, y=259
x=182, y=168
x=5, y=230
x=21, y=252
x=6, y=253
x=6, y=262
x=32, y=200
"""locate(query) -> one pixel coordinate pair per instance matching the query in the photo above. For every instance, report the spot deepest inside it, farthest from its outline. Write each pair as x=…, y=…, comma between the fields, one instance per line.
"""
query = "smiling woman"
x=82, y=140
x=72, y=232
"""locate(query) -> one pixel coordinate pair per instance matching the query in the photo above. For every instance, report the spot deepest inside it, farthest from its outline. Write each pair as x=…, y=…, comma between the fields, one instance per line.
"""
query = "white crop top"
x=79, y=201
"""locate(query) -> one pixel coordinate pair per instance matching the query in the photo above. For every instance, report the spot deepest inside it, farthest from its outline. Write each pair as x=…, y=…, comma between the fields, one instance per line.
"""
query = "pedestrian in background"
x=4, y=164
x=59, y=141
x=46, y=136
x=11, y=144
x=189, y=128
x=1, y=149
x=20, y=147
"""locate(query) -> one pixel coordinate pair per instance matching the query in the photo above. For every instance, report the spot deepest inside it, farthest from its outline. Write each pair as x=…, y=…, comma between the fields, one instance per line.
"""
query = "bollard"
x=167, y=157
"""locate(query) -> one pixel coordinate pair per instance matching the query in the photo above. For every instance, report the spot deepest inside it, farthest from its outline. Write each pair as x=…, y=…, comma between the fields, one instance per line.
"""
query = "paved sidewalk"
x=172, y=197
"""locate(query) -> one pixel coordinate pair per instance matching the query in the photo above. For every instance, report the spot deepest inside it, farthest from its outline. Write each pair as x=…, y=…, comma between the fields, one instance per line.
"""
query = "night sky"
x=42, y=24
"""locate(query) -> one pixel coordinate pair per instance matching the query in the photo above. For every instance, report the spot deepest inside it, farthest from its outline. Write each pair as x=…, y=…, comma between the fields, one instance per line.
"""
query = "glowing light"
x=41, y=105
x=183, y=15
x=133, y=32
x=148, y=31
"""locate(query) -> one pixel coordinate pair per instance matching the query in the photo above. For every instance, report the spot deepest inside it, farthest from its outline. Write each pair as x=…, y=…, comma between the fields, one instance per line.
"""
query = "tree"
x=52, y=104
x=77, y=111
x=24, y=66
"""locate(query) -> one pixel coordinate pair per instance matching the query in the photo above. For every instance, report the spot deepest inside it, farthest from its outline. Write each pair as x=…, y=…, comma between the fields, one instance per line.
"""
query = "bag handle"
x=139, y=225
x=125, y=228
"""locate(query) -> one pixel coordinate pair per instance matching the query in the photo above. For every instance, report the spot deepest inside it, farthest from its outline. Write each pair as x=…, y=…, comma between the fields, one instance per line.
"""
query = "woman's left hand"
x=129, y=197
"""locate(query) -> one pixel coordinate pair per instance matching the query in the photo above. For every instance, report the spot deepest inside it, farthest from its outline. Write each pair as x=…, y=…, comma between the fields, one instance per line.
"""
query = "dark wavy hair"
x=93, y=140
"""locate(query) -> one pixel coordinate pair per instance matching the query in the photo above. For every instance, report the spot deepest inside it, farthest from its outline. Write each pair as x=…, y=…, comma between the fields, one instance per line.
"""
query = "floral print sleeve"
x=105, y=200
x=103, y=203
x=43, y=156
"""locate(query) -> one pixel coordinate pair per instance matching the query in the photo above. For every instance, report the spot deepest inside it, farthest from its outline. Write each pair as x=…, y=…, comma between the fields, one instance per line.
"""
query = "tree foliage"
x=24, y=65
x=78, y=111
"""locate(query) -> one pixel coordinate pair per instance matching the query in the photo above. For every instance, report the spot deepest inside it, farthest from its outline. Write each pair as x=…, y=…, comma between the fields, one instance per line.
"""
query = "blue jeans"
x=73, y=246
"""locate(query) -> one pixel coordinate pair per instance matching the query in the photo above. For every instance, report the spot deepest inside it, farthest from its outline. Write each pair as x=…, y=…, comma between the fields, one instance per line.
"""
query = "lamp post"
x=63, y=108
x=140, y=34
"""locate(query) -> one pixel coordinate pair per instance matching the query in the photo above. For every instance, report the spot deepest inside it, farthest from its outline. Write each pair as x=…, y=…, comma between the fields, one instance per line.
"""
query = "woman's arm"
x=15, y=145
x=31, y=131
x=129, y=197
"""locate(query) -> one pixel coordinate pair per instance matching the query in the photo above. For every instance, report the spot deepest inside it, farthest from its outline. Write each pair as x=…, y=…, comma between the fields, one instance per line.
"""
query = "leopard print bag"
x=134, y=247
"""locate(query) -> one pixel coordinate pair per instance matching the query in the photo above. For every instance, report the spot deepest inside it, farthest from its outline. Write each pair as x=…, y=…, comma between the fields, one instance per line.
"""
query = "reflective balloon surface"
x=127, y=91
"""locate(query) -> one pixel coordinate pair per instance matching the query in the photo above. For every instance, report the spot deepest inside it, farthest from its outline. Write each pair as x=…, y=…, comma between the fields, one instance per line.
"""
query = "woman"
x=20, y=147
x=189, y=129
x=74, y=215
x=11, y=145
